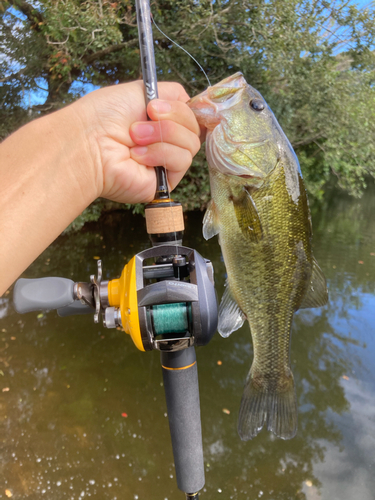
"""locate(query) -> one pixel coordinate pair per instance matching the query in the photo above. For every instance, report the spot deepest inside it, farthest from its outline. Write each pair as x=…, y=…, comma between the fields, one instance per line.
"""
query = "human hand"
x=125, y=146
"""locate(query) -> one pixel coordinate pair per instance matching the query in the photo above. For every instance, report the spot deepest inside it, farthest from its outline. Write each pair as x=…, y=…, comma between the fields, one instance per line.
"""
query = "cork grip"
x=161, y=220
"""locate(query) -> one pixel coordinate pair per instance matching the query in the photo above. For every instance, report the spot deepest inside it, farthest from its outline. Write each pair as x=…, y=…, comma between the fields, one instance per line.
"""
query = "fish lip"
x=246, y=176
x=204, y=110
x=237, y=78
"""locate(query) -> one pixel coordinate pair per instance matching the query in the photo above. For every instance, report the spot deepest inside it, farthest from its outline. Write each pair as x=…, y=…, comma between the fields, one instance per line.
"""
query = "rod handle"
x=180, y=375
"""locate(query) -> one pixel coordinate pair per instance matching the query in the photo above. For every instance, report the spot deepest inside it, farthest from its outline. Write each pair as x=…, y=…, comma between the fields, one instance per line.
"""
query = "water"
x=83, y=413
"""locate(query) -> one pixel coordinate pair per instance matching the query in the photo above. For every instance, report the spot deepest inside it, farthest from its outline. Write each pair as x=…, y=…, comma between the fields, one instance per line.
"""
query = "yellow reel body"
x=122, y=293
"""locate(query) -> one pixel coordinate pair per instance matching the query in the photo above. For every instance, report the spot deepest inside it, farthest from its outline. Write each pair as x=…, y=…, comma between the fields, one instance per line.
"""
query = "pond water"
x=68, y=384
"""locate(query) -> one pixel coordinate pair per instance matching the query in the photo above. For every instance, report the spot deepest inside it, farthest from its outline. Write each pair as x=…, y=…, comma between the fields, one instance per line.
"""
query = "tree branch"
x=11, y=77
x=307, y=141
x=90, y=58
x=29, y=11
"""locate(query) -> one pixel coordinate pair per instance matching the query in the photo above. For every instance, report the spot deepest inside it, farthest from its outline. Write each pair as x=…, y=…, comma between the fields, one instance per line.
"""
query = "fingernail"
x=161, y=107
x=143, y=130
x=139, y=150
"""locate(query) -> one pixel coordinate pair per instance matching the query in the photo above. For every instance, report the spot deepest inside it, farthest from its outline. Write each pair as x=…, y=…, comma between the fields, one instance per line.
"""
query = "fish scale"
x=260, y=211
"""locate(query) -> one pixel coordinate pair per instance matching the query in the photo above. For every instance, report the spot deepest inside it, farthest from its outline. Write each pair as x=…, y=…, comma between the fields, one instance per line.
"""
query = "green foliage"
x=90, y=214
x=314, y=62
x=194, y=189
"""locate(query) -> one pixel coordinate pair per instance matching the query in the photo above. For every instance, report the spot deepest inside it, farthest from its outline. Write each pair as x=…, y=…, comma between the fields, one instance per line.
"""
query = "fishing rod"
x=164, y=299
x=180, y=373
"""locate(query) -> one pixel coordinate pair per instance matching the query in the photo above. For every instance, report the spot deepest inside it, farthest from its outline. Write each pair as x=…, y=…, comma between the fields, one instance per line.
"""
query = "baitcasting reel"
x=164, y=299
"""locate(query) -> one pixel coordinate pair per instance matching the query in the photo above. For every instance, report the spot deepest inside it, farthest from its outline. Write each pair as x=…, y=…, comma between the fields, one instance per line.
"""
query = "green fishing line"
x=170, y=318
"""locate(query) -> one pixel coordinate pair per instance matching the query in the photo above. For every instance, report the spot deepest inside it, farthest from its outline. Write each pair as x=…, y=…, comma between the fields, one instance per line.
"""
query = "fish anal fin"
x=210, y=221
x=316, y=294
x=231, y=317
x=271, y=405
x=247, y=216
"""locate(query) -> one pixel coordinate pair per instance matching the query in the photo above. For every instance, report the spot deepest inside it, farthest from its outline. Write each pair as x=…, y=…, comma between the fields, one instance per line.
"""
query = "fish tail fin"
x=271, y=403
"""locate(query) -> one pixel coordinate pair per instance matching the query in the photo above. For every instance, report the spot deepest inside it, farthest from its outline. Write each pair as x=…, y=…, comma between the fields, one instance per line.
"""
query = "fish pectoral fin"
x=247, y=216
x=265, y=403
x=231, y=317
x=210, y=221
x=316, y=294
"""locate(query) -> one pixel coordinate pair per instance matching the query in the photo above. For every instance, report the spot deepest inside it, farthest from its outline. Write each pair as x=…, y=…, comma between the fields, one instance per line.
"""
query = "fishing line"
x=159, y=121
x=165, y=166
x=179, y=46
x=161, y=136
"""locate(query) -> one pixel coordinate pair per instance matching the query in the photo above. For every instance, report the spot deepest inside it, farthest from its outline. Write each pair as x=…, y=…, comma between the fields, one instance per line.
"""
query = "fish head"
x=244, y=137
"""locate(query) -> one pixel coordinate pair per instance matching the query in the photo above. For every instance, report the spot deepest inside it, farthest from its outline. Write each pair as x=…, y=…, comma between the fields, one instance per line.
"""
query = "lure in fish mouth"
x=259, y=210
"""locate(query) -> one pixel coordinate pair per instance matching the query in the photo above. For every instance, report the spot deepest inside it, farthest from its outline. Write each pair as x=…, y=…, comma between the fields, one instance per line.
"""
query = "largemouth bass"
x=260, y=211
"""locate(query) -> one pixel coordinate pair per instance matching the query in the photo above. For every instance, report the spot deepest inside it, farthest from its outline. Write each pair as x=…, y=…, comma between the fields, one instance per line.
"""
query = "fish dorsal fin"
x=210, y=221
x=247, y=216
x=316, y=294
x=231, y=317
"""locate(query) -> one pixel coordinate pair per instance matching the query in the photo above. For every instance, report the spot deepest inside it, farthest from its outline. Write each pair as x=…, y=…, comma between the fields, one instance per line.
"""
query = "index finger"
x=172, y=91
x=175, y=111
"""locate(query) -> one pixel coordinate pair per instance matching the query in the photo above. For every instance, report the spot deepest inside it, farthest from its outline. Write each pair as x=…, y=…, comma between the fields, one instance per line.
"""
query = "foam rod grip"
x=180, y=375
x=42, y=294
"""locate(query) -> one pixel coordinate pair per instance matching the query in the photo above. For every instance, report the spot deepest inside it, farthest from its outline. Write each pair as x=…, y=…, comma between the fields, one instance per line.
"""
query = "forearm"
x=45, y=185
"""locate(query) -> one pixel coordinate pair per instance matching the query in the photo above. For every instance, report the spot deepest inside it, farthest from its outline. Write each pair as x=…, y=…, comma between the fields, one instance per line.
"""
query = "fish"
x=259, y=210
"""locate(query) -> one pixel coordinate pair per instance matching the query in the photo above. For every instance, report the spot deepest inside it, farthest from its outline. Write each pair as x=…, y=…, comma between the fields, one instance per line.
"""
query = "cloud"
x=347, y=472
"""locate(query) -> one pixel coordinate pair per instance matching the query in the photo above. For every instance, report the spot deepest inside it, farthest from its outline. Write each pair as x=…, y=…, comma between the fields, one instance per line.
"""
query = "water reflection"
x=83, y=412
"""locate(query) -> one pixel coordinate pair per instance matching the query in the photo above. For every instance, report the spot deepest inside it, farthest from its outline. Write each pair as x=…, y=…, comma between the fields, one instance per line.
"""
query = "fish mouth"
x=207, y=105
x=204, y=110
x=246, y=176
x=237, y=80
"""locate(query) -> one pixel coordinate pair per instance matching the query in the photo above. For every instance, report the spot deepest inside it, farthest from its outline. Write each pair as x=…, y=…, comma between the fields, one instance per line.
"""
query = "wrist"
x=84, y=114
x=73, y=129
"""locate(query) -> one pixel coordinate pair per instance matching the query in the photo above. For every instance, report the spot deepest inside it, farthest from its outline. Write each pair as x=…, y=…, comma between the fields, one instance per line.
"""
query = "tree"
x=313, y=61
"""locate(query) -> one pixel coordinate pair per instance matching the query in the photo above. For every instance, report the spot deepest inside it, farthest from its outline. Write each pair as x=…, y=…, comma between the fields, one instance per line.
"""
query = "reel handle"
x=180, y=376
x=44, y=294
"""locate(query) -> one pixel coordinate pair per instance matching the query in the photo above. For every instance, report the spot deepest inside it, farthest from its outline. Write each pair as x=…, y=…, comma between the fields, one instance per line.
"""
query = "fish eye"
x=257, y=104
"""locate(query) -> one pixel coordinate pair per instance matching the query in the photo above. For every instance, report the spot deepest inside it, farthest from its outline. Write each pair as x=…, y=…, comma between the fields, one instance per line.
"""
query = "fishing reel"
x=164, y=299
